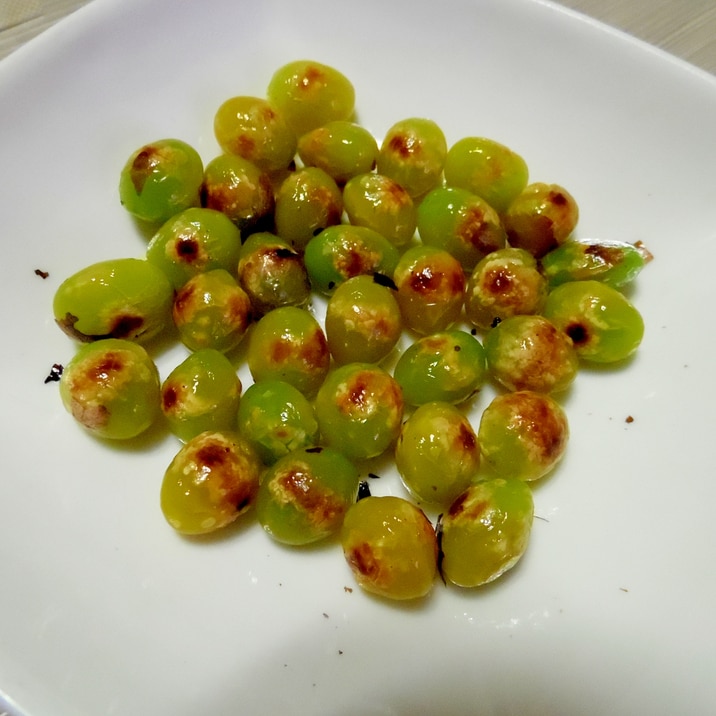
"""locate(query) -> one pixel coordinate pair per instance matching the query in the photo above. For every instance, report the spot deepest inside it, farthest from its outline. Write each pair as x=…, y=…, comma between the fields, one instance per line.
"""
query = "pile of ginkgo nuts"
x=372, y=291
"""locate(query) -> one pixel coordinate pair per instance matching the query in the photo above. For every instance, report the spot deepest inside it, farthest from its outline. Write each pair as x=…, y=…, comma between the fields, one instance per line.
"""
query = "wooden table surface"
x=685, y=28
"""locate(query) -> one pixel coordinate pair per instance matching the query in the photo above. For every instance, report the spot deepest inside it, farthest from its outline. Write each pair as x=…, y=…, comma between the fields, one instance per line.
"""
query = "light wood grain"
x=685, y=28
x=35, y=16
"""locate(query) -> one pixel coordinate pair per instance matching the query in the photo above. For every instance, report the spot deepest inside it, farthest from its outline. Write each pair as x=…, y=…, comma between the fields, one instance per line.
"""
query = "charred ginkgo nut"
x=530, y=353
x=289, y=344
x=505, y=283
x=341, y=148
x=276, y=418
x=211, y=481
x=305, y=495
x=615, y=263
x=460, y=222
x=437, y=453
x=359, y=409
x=272, y=273
x=211, y=310
x=343, y=251
x=240, y=189
x=523, y=434
x=111, y=388
x=254, y=129
x=381, y=204
x=486, y=168
x=391, y=547
x=307, y=202
x=202, y=393
x=194, y=241
x=540, y=218
x=363, y=321
x=447, y=366
x=310, y=94
x=486, y=531
x=123, y=298
x=431, y=289
x=160, y=179
x=413, y=154
x=602, y=323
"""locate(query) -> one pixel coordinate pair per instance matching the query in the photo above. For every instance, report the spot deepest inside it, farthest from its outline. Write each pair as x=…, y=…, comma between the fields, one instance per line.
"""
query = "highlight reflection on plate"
x=103, y=609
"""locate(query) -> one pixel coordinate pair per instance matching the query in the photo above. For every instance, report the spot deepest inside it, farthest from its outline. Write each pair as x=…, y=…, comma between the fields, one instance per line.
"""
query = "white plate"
x=104, y=610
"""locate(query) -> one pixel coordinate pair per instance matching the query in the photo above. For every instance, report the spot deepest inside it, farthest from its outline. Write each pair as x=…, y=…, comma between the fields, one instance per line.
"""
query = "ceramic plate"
x=105, y=610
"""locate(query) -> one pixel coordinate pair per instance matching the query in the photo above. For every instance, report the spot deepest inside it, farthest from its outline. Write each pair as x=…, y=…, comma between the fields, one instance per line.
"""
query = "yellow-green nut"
x=160, y=179
x=111, y=388
x=201, y=393
x=210, y=482
x=121, y=298
x=486, y=531
x=211, y=310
